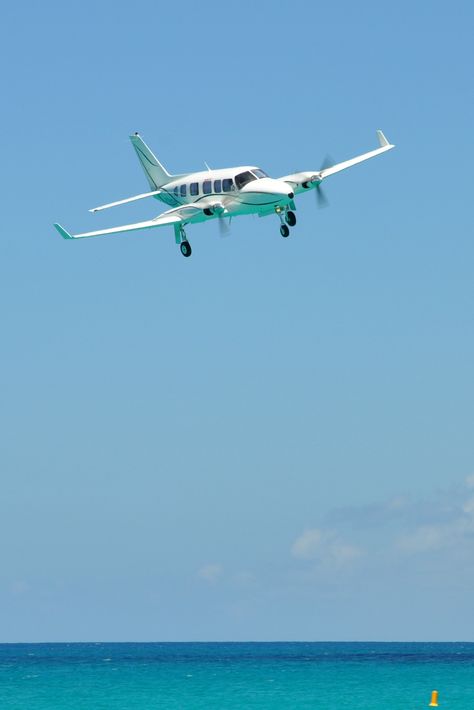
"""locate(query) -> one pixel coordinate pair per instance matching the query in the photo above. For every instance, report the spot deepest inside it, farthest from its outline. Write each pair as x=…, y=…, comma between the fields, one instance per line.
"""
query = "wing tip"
x=63, y=232
x=383, y=142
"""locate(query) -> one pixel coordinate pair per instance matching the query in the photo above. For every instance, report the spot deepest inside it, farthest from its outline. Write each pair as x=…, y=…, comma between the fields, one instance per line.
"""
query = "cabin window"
x=227, y=185
x=243, y=178
x=183, y=190
x=217, y=185
x=194, y=188
x=207, y=187
x=176, y=191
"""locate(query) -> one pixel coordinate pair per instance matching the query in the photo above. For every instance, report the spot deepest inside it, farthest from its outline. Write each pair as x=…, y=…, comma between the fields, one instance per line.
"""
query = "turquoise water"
x=361, y=676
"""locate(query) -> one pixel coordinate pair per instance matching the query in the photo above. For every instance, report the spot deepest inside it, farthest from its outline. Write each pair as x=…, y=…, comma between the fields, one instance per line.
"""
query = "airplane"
x=221, y=194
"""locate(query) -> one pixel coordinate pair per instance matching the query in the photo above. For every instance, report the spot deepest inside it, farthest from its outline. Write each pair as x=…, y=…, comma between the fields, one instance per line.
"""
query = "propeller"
x=219, y=211
x=321, y=199
x=224, y=226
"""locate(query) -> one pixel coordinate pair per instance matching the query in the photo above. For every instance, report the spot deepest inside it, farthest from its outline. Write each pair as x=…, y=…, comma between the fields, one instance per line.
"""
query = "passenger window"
x=176, y=191
x=207, y=187
x=194, y=188
x=183, y=190
x=217, y=185
x=227, y=185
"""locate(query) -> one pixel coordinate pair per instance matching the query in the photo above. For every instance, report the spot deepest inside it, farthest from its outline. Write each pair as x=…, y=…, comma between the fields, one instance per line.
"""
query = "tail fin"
x=155, y=172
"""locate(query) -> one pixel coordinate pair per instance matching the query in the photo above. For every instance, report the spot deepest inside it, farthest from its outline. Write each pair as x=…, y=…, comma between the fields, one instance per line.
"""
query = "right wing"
x=304, y=180
x=183, y=215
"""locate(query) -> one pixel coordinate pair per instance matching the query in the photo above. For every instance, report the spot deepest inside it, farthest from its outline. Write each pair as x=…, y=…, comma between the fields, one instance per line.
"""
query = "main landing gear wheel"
x=284, y=230
x=290, y=218
x=185, y=248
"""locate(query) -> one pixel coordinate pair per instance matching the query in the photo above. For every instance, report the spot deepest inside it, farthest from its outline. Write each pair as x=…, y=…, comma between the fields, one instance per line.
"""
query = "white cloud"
x=210, y=572
x=458, y=532
x=343, y=553
x=423, y=538
x=470, y=481
x=308, y=545
x=324, y=546
x=455, y=531
x=468, y=506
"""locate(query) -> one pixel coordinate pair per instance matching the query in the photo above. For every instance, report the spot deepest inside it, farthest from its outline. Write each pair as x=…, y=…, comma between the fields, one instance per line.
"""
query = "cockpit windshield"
x=259, y=173
x=243, y=178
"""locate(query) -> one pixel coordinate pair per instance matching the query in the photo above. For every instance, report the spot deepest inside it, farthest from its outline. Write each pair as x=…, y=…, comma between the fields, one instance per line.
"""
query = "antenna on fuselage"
x=207, y=166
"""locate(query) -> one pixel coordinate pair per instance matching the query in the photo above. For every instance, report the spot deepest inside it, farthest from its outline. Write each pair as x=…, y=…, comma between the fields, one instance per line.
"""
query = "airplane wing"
x=304, y=180
x=183, y=215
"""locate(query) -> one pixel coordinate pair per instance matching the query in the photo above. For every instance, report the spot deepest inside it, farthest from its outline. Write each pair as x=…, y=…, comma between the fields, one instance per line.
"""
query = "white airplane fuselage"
x=228, y=191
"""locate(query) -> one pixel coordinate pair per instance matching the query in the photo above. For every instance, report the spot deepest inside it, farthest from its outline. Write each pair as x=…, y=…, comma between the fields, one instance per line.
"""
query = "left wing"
x=183, y=215
x=304, y=180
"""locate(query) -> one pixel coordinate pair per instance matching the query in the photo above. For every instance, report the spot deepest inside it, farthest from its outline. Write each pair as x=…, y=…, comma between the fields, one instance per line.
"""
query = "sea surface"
x=142, y=676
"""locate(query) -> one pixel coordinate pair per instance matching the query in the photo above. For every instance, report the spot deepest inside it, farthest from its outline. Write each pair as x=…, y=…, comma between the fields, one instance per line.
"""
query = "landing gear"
x=287, y=220
x=181, y=241
x=185, y=248
x=290, y=218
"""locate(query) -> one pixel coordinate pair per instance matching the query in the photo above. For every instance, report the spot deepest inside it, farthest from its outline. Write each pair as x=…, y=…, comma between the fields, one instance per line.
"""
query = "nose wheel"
x=284, y=230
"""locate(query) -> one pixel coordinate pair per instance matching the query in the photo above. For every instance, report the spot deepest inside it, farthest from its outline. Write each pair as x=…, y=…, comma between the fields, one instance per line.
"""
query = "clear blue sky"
x=273, y=439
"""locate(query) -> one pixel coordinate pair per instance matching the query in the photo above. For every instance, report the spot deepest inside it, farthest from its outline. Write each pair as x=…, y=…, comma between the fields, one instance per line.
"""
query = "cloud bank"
x=392, y=529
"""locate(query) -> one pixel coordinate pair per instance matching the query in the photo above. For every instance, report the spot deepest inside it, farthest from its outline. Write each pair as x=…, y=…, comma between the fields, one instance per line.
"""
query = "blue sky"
x=274, y=438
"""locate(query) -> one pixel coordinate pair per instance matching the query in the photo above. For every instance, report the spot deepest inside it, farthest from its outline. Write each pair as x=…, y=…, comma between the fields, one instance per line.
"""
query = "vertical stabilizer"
x=155, y=172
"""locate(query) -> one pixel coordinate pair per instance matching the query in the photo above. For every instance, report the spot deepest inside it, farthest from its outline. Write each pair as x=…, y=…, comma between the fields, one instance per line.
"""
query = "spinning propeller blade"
x=321, y=199
x=224, y=226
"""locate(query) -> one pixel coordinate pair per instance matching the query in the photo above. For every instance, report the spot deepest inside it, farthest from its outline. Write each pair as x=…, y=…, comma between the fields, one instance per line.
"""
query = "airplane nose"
x=279, y=187
x=269, y=186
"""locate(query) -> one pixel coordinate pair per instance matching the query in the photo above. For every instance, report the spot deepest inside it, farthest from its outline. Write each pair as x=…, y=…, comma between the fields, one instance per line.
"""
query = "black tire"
x=290, y=218
x=284, y=230
x=185, y=248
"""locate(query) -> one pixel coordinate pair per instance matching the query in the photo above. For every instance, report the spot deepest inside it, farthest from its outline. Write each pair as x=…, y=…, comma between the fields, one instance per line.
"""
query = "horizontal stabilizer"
x=128, y=199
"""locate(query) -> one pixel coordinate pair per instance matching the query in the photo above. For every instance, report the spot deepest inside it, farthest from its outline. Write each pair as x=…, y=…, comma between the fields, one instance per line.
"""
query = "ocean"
x=328, y=676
